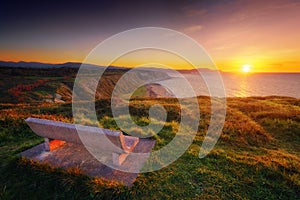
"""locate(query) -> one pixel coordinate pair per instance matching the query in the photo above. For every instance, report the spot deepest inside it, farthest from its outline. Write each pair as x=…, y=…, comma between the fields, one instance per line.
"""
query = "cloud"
x=285, y=62
x=193, y=29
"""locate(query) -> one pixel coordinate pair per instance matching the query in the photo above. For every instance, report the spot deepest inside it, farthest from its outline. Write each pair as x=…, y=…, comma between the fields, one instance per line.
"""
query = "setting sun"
x=246, y=68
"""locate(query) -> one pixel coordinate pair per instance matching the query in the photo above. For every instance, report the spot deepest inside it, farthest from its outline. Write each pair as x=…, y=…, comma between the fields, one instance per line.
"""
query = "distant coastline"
x=235, y=85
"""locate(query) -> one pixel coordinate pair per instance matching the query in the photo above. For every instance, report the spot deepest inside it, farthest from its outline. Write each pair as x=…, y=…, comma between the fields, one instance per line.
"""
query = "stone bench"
x=57, y=133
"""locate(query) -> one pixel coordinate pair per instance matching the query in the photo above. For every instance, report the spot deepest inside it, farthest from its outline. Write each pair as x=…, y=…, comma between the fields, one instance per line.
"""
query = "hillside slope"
x=256, y=157
x=21, y=85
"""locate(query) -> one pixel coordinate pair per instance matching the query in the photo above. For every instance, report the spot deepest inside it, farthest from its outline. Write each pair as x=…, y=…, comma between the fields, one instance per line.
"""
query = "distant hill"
x=196, y=71
x=38, y=65
x=23, y=64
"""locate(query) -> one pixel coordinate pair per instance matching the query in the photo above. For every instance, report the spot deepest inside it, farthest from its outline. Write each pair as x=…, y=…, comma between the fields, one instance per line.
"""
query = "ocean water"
x=235, y=85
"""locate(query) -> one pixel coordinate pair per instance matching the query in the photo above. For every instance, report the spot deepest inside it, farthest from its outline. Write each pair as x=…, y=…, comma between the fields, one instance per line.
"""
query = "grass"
x=140, y=92
x=257, y=156
x=15, y=84
x=55, y=81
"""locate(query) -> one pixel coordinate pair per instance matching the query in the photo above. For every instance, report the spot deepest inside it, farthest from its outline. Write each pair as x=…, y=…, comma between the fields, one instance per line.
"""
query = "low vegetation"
x=256, y=157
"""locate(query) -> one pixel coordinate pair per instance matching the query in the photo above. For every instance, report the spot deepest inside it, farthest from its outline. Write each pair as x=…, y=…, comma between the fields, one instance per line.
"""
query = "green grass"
x=140, y=92
x=256, y=157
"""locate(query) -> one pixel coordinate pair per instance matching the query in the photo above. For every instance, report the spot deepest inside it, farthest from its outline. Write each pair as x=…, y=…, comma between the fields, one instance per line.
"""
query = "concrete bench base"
x=69, y=155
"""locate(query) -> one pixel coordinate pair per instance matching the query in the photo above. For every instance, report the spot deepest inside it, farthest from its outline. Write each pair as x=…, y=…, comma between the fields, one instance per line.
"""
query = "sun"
x=246, y=68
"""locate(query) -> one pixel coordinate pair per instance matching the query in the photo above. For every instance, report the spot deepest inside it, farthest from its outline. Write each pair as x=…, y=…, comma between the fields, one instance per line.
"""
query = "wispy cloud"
x=193, y=29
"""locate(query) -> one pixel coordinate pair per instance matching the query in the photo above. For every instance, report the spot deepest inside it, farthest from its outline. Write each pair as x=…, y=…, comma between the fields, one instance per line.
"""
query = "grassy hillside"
x=37, y=85
x=20, y=85
x=257, y=156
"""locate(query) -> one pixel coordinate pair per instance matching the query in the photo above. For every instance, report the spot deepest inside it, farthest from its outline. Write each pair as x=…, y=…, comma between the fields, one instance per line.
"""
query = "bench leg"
x=47, y=146
x=118, y=159
x=51, y=144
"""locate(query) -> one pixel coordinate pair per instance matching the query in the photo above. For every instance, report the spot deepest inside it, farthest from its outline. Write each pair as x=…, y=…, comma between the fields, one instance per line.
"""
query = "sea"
x=234, y=84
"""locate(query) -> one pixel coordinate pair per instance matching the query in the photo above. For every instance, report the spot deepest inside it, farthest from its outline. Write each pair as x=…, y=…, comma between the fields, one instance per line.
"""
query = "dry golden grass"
x=239, y=129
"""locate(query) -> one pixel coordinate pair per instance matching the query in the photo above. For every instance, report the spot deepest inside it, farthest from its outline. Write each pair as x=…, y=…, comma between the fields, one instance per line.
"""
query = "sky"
x=262, y=34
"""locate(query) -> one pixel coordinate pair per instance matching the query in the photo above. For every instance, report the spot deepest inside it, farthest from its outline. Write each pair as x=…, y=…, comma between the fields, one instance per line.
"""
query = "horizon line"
x=123, y=66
